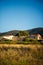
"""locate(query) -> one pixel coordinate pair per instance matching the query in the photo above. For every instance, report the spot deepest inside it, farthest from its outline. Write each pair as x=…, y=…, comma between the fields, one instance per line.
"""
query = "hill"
x=36, y=31
x=31, y=31
x=13, y=32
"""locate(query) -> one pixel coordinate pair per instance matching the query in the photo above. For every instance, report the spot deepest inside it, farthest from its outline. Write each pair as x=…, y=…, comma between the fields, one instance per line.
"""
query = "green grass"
x=22, y=55
x=20, y=42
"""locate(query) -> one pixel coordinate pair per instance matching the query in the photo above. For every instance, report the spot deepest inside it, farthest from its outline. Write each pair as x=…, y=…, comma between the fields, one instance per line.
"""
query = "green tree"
x=22, y=33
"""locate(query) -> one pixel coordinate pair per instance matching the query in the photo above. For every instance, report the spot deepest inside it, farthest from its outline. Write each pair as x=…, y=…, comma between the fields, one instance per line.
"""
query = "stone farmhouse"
x=9, y=37
x=36, y=36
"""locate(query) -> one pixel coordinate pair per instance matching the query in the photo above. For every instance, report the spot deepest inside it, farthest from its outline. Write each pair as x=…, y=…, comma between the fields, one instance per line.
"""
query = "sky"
x=20, y=14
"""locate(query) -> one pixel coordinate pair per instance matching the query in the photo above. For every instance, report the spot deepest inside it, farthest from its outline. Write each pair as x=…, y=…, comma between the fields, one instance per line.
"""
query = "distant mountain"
x=36, y=31
x=13, y=32
x=31, y=31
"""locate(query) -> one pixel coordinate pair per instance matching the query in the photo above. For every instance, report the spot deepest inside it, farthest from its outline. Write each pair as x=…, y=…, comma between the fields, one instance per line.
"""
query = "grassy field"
x=11, y=54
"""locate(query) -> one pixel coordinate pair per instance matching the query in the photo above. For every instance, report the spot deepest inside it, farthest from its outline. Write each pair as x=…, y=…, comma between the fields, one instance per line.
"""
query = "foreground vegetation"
x=21, y=54
x=25, y=42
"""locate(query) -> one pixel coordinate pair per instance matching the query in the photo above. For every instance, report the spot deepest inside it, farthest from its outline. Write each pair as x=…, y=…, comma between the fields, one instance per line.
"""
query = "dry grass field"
x=15, y=54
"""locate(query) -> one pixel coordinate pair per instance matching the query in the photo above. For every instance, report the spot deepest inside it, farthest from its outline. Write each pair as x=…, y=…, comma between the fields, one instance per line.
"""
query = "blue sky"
x=20, y=14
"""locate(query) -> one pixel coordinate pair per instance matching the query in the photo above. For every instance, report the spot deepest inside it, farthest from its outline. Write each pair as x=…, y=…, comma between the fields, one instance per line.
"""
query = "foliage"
x=25, y=41
x=22, y=33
